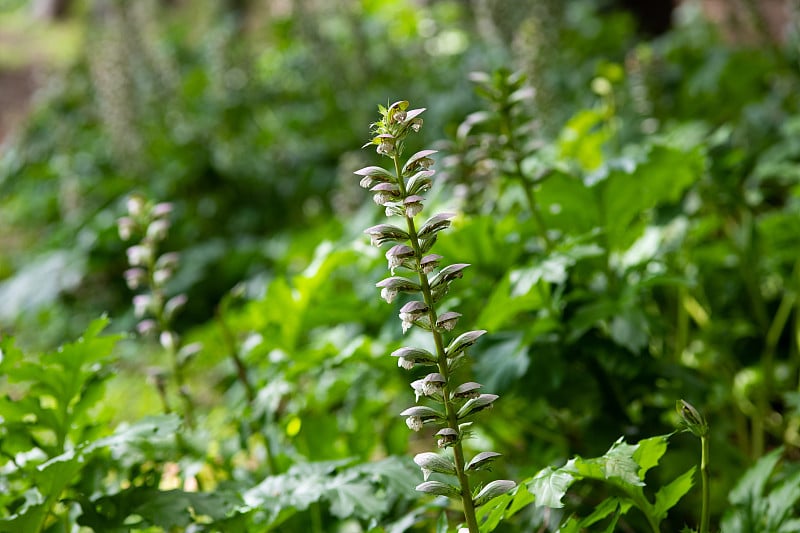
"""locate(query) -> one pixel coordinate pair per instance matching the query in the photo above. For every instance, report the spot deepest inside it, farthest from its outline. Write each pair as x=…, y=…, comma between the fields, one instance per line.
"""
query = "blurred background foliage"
x=627, y=178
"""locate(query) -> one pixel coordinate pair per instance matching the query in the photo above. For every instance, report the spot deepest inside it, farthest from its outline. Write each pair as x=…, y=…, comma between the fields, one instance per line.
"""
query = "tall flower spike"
x=399, y=190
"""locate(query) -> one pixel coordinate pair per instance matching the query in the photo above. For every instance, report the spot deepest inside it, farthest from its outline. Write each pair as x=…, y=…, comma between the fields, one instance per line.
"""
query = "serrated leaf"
x=669, y=495
x=601, y=511
x=781, y=500
x=649, y=453
x=549, y=486
x=492, y=513
x=751, y=485
x=619, y=463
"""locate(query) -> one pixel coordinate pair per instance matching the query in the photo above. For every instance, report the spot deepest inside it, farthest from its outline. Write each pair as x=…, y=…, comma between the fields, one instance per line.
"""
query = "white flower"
x=447, y=321
x=125, y=226
x=157, y=230
x=388, y=294
x=402, y=362
x=382, y=198
x=414, y=423
x=135, y=205
x=139, y=255
x=135, y=277
x=141, y=304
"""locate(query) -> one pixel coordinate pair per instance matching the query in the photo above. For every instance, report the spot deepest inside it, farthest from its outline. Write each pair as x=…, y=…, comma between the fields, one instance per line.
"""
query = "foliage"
x=628, y=207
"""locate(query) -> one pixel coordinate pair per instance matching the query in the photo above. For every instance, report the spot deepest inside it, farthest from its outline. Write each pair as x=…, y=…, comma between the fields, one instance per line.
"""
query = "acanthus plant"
x=400, y=191
x=148, y=275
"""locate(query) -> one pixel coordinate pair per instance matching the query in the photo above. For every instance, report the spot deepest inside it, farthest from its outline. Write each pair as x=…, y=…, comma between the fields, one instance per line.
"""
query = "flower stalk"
x=148, y=275
x=696, y=424
x=400, y=191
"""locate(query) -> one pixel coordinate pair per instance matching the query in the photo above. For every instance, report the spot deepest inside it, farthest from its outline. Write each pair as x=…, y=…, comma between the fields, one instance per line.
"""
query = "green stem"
x=172, y=351
x=682, y=322
x=637, y=497
x=527, y=186
x=773, y=335
x=444, y=370
x=241, y=369
x=705, y=511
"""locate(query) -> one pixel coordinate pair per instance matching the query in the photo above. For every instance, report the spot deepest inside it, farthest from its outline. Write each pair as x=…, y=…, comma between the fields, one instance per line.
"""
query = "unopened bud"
x=692, y=418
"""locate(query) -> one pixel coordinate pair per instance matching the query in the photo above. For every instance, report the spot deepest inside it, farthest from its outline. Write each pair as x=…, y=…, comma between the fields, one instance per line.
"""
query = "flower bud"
x=126, y=226
x=447, y=321
x=414, y=423
x=169, y=340
x=162, y=209
x=429, y=262
x=135, y=278
x=430, y=462
x=139, y=255
x=386, y=144
x=413, y=205
x=142, y=304
x=157, y=229
x=168, y=260
x=147, y=327
x=447, y=437
x=397, y=254
x=173, y=305
x=466, y=390
x=692, y=418
x=135, y=205
x=161, y=276
x=411, y=312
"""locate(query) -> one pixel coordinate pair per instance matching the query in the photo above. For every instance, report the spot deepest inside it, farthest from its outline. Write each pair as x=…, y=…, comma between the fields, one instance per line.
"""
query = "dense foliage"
x=629, y=208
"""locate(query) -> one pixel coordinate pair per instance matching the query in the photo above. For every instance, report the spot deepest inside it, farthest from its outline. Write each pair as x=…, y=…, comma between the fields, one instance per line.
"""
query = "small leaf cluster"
x=400, y=192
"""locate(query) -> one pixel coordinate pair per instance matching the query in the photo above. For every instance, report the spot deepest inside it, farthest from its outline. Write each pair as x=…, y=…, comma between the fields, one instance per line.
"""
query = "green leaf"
x=649, y=452
x=522, y=498
x=781, y=501
x=583, y=138
x=601, y=511
x=617, y=464
x=490, y=515
x=142, y=507
x=751, y=486
x=628, y=194
x=549, y=486
x=669, y=495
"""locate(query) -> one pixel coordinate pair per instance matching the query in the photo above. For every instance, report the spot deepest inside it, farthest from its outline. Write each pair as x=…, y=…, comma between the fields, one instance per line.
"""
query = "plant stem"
x=704, y=516
x=527, y=186
x=176, y=363
x=450, y=411
x=640, y=501
x=774, y=332
x=241, y=369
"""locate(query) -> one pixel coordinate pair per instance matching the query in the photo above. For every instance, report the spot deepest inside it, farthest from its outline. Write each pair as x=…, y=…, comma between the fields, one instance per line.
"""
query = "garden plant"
x=592, y=284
